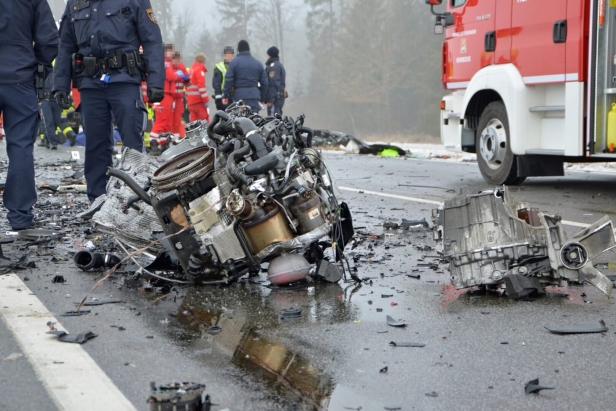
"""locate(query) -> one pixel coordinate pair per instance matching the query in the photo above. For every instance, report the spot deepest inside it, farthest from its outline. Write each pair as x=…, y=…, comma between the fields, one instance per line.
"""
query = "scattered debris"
x=58, y=279
x=395, y=323
x=487, y=238
x=335, y=139
x=95, y=303
x=76, y=313
x=533, y=387
x=214, y=330
x=81, y=338
x=406, y=344
x=432, y=394
x=586, y=328
x=406, y=225
x=384, y=370
x=291, y=313
x=179, y=396
x=13, y=356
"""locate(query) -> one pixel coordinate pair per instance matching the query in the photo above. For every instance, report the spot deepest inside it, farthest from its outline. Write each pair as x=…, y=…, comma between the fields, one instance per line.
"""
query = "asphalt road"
x=479, y=350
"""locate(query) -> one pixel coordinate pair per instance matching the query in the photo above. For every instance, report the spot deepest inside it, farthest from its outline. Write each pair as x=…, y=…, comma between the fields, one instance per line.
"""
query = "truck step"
x=548, y=110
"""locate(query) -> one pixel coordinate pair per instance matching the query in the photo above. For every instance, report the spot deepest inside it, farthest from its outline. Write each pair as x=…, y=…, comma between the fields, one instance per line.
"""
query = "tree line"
x=360, y=66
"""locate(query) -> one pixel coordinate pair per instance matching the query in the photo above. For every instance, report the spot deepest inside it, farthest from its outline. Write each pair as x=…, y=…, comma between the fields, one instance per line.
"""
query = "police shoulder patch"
x=151, y=15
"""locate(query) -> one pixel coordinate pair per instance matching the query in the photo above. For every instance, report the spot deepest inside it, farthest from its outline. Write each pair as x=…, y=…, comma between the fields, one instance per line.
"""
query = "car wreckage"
x=239, y=192
x=492, y=242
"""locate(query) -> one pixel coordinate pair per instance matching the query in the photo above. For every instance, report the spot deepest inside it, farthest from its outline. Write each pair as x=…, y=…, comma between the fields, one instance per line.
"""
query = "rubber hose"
x=87, y=260
x=132, y=184
x=257, y=143
x=262, y=165
x=232, y=169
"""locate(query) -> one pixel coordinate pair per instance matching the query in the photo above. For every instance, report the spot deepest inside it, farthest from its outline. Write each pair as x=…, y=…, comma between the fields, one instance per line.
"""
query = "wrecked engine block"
x=244, y=191
x=492, y=242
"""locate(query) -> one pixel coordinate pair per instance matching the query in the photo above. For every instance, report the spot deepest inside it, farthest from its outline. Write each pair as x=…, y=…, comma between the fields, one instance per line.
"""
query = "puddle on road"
x=241, y=327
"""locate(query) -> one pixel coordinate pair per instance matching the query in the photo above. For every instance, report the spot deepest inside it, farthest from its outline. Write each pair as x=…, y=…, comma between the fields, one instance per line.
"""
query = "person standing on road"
x=218, y=82
x=99, y=49
x=182, y=79
x=28, y=38
x=277, y=82
x=246, y=79
x=196, y=93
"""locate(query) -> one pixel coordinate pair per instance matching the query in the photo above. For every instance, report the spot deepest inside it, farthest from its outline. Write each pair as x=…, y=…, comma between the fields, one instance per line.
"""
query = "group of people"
x=108, y=50
x=239, y=77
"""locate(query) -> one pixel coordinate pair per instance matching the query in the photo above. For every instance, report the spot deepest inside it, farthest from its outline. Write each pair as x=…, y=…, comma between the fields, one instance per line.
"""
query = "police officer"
x=51, y=118
x=277, y=82
x=99, y=50
x=28, y=37
x=218, y=82
x=246, y=79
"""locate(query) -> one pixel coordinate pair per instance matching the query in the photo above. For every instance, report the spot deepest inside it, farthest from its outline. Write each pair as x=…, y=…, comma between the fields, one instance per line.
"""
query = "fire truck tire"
x=496, y=161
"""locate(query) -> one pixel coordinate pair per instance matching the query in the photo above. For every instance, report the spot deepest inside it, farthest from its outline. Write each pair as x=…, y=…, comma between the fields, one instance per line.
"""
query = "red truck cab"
x=531, y=83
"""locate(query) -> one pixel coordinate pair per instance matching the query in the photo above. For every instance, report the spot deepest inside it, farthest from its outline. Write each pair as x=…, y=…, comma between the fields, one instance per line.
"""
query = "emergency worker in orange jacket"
x=196, y=92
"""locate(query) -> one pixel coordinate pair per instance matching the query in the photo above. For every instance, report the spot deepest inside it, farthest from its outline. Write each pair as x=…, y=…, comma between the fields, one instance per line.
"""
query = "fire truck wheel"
x=496, y=161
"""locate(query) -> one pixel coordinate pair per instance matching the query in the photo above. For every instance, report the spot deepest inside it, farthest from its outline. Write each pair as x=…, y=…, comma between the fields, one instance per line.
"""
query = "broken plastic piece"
x=533, y=387
x=73, y=338
x=58, y=279
x=586, y=328
x=384, y=370
x=520, y=287
x=406, y=344
x=395, y=323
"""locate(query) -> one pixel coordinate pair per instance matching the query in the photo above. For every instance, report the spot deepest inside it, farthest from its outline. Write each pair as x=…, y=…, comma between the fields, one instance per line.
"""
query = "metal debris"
x=179, y=396
x=586, y=328
x=406, y=344
x=392, y=322
x=487, y=237
x=533, y=387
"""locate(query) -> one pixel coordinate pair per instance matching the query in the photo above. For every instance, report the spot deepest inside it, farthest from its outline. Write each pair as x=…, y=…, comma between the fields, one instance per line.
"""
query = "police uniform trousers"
x=19, y=104
x=276, y=107
x=51, y=119
x=125, y=102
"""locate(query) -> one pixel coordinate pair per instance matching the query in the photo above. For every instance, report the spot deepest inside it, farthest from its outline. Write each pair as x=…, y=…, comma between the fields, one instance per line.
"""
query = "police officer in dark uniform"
x=100, y=43
x=277, y=82
x=246, y=79
x=28, y=37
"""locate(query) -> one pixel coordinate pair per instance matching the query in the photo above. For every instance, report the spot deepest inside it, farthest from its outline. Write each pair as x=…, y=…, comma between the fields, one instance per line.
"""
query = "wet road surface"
x=479, y=350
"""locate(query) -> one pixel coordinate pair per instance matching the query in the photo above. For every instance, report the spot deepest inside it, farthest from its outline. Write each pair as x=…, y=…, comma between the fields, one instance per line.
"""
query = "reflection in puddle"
x=248, y=316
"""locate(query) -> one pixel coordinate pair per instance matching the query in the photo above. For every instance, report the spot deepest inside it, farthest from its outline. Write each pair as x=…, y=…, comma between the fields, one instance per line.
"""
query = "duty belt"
x=90, y=66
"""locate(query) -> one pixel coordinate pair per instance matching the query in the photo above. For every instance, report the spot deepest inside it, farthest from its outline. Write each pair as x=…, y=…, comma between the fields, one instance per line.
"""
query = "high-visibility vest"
x=223, y=69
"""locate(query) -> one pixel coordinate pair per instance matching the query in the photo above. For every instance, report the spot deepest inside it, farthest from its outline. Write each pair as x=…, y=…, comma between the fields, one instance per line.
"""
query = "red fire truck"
x=532, y=83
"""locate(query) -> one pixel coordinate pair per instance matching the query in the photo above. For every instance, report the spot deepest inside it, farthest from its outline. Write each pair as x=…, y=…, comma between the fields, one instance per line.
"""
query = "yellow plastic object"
x=391, y=153
x=613, y=4
x=611, y=129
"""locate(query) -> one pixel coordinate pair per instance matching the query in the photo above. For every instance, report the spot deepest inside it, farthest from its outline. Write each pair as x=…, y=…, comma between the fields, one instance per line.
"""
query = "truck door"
x=470, y=42
x=539, y=35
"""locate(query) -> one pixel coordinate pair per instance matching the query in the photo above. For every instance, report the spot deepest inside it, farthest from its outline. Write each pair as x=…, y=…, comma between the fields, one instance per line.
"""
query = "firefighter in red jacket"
x=196, y=93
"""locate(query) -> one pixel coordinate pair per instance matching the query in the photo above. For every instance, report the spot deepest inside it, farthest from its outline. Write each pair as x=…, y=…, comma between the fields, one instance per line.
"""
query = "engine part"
x=485, y=241
x=176, y=225
x=185, y=396
x=288, y=268
x=87, y=260
x=188, y=170
x=263, y=231
x=308, y=212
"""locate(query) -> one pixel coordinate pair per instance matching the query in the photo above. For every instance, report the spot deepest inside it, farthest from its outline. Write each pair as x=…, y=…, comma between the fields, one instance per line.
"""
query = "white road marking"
x=70, y=376
x=394, y=196
x=430, y=202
